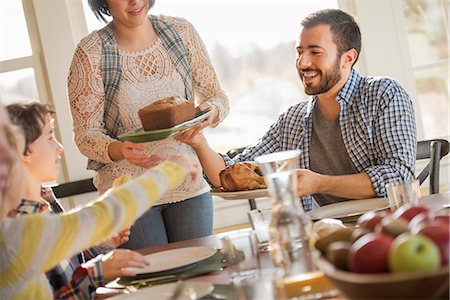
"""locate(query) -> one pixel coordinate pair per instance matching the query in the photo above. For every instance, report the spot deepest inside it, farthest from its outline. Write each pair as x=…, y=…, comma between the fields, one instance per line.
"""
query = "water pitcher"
x=290, y=228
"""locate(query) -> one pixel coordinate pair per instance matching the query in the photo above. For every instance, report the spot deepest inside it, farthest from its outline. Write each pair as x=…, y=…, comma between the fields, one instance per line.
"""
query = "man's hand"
x=118, y=239
x=136, y=155
x=117, y=263
x=308, y=182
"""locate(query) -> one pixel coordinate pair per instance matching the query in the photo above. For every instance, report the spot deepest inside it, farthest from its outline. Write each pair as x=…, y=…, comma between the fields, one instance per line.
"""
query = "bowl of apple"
x=403, y=255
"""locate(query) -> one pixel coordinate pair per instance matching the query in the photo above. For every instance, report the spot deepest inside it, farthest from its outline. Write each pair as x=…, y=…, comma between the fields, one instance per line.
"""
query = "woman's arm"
x=204, y=76
x=86, y=99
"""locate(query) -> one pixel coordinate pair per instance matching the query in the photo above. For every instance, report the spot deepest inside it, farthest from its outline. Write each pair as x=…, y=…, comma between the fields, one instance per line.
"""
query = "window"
x=18, y=86
x=427, y=28
x=20, y=66
x=15, y=43
x=252, y=46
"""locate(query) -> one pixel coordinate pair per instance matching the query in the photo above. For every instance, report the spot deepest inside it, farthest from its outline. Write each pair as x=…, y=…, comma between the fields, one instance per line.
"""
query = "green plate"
x=141, y=136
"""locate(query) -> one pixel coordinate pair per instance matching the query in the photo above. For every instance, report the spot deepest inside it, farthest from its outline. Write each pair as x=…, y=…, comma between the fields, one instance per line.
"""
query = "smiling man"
x=355, y=133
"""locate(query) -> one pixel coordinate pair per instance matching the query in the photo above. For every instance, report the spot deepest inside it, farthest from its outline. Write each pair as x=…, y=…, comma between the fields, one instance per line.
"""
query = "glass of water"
x=241, y=254
x=260, y=221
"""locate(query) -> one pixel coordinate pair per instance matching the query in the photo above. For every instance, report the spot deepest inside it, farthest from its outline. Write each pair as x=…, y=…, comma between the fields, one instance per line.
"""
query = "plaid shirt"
x=377, y=125
x=28, y=207
x=69, y=279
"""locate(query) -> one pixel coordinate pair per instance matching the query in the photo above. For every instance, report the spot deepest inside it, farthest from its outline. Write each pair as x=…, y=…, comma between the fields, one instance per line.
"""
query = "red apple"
x=391, y=226
x=370, y=219
x=439, y=234
x=370, y=254
x=409, y=211
x=429, y=218
x=445, y=219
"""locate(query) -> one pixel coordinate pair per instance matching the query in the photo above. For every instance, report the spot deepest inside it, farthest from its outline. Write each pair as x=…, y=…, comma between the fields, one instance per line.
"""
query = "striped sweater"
x=33, y=244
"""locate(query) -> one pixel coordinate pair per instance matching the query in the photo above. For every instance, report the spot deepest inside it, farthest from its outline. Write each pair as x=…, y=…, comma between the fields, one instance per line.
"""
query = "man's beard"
x=329, y=79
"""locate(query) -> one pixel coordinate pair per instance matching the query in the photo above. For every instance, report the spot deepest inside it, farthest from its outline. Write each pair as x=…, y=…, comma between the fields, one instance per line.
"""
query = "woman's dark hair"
x=31, y=119
x=101, y=10
x=345, y=30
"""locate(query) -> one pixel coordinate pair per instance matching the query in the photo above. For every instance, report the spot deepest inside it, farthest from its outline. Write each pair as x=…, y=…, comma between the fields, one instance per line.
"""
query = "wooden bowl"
x=428, y=285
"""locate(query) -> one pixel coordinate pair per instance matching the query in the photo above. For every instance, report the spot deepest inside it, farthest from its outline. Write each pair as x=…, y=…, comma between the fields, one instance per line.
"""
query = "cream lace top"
x=147, y=75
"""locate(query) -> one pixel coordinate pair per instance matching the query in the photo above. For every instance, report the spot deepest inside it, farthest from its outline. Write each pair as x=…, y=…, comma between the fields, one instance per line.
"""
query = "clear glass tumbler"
x=402, y=192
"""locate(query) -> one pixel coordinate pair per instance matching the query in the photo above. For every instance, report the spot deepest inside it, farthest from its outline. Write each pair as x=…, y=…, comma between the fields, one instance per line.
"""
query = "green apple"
x=414, y=253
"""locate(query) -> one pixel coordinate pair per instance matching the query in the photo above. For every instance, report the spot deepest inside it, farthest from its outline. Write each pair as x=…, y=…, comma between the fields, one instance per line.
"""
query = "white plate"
x=175, y=258
x=242, y=194
x=165, y=291
x=348, y=209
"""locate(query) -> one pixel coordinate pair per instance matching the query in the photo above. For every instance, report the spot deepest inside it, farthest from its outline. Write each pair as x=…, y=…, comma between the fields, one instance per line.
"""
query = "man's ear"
x=348, y=58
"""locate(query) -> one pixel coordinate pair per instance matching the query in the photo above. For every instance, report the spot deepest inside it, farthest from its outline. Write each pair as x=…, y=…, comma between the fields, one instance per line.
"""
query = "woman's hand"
x=193, y=137
x=118, y=239
x=212, y=118
x=188, y=163
x=117, y=263
x=136, y=155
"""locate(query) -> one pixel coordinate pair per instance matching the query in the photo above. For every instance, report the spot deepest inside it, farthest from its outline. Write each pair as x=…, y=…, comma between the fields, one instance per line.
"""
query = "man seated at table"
x=356, y=133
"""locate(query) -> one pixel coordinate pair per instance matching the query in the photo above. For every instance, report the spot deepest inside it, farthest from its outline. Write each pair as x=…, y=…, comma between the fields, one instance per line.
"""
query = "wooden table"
x=434, y=202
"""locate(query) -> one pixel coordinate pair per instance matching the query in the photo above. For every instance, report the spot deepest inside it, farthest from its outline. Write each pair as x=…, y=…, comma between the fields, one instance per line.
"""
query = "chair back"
x=73, y=188
x=433, y=150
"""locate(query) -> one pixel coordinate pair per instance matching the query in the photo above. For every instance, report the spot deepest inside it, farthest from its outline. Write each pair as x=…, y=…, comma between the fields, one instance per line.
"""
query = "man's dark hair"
x=101, y=10
x=31, y=119
x=345, y=30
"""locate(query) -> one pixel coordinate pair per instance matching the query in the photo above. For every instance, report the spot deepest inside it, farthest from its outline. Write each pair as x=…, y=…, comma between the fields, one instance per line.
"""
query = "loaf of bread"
x=243, y=176
x=166, y=113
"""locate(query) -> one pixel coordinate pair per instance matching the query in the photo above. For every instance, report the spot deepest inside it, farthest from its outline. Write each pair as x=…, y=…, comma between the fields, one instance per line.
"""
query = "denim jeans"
x=167, y=223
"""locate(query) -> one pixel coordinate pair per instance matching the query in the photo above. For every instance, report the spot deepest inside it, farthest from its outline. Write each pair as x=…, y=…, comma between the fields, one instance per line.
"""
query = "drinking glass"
x=260, y=221
x=266, y=284
x=402, y=192
x=241, y=254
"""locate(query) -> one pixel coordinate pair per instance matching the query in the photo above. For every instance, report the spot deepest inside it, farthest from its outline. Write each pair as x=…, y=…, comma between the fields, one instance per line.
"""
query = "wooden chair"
x=433, y=150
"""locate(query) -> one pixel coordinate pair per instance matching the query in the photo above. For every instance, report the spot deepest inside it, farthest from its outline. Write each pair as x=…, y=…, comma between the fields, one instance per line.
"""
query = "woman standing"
x=133, y=61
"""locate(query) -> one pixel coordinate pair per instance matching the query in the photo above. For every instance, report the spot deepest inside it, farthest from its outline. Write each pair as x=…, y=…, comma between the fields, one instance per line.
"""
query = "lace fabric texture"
x=147, y=76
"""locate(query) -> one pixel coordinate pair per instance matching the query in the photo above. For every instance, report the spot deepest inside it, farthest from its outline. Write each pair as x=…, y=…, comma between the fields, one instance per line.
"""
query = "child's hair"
x=31, y=119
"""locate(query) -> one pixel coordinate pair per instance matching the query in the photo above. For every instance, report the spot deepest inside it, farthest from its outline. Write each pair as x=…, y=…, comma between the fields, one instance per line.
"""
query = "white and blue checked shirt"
x=377, y=125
